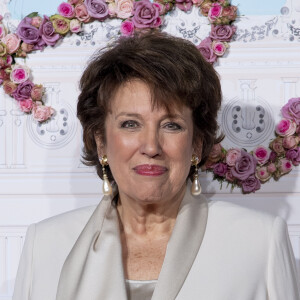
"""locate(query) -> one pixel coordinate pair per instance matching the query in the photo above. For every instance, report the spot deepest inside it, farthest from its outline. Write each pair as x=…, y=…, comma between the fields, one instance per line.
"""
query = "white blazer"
x=217, y=251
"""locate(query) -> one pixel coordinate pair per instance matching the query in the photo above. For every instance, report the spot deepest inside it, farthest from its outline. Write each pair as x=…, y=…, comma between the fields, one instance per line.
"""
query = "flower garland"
x=36, y=33
x=248, y=170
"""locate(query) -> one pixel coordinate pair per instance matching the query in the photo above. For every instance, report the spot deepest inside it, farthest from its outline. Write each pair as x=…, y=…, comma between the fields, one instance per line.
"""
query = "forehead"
x=136, y=96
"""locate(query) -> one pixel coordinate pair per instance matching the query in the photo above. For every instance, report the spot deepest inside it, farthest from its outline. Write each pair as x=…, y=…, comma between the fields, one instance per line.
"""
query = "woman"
x=148, y=108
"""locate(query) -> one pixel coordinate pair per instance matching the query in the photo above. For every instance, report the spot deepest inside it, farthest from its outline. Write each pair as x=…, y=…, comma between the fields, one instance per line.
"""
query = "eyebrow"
x=128, y=114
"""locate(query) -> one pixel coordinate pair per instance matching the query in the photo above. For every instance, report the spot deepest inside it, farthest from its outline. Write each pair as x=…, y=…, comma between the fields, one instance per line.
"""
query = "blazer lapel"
x=93, y=270
x=183, y=246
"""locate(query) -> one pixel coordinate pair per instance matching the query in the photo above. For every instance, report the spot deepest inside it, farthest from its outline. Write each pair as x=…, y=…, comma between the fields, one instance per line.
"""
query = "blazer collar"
x=94, y=270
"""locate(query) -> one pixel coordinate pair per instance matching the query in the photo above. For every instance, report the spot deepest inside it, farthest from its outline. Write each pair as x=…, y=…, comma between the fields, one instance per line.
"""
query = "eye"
x=129, y=124
x=172, y=126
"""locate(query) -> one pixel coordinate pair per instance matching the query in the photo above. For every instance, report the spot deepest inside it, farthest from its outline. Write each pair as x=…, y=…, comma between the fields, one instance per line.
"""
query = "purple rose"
x=273, y=156
x=291, y=110
x=244, y=166
x=251, y=184
x=146, y=14
x=220, y=169
x=222, y=33
x=294, y=156
x=30, y=34
x=97, y=9
x=23, y=90
x=47, y=32
x=184, y=5
x=206, y=50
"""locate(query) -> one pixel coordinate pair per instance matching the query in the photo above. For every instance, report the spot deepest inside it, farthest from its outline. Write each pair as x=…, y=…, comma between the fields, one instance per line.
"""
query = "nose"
x=150, y=143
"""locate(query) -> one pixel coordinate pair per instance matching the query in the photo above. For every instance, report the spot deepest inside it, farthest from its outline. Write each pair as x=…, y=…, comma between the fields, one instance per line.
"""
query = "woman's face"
x=149, y=151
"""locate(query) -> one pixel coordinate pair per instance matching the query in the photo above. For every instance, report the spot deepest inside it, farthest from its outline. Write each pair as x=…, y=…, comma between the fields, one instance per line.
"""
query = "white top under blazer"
x=217, y=251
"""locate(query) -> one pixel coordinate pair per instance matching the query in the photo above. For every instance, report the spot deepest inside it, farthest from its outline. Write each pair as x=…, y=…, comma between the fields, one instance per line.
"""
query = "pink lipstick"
x=150, y=170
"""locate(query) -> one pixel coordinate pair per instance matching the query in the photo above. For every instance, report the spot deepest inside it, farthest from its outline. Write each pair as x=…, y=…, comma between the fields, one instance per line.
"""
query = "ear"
x=100, y=145
x=198, y=144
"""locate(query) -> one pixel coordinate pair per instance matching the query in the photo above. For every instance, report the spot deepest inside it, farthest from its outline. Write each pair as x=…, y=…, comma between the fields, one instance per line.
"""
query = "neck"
x=149, y=220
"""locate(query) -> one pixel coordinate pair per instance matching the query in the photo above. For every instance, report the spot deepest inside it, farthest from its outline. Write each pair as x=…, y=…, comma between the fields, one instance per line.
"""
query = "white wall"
x=40, y=170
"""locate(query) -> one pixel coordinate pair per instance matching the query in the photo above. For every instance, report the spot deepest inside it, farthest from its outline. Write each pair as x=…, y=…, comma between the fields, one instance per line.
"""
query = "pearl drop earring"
x=196, y=187
x=106, y=188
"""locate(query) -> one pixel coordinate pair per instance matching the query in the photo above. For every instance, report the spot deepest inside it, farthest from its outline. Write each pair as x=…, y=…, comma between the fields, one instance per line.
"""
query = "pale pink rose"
x=9, y=87
x=82, y=13
x=261, y=154
x=42, y=113
x=127, y=28
x=66, y=10
x=219, y=48
x=26, y=105
x=290, y=142
x=284, y=166
x=19, y=73
x=124, y=8
x=75, y=26
x=112, y=9
x=262, y=174
x=9, y=60
x=37, y=92
x=215, y=11
x=230, y=13
x=2, y=31
x=271, y=168
x=12, y=42
x=232, y=156
x=286, y=127
x=277, y=145
x=216, y=153
x=36, y=21
x=27, y=47
x=197, y=2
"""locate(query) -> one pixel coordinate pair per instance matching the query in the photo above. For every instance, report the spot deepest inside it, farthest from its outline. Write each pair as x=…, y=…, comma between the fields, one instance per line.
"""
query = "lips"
x=150, y=170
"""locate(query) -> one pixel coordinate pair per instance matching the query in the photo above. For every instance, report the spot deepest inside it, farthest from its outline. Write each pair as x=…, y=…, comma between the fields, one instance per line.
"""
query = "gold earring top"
x=103, y=160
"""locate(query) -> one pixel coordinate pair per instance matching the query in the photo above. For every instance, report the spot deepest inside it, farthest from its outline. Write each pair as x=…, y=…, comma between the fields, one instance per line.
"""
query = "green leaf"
x=33, y=14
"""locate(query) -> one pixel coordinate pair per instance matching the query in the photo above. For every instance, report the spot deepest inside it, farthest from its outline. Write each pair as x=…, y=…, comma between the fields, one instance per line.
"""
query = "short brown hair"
x=172, y=67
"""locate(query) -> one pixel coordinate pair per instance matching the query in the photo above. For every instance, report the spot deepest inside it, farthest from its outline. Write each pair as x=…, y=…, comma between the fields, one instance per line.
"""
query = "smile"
x=150, y=170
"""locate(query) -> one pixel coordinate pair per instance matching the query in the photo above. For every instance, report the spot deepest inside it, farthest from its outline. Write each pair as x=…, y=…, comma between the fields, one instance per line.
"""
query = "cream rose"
x=124, y=8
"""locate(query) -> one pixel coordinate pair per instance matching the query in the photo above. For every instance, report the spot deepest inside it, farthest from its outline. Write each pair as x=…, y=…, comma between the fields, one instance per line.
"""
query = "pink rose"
x=9, y=87
x=230, y=13
x=262, y=174
x=127, y=28
x=229, y=177
x=219, y=48
x=75, y=2
x=232, y=156
x=82, y=13
x=291, y=110
x=2, y=31
x=146, y=15
x=184, y=5
x=4, y=74
x=286, y=127
x=290, y=142
x=271, y=168
x=222, y=33
x=205, y=48
x=42, y=113
x=215, y=12
x=261, y=154
x=12, y=42
x=19, y=74
x=66, y=10
x=161, y=8
x=277, y=145
x=124, y=8
x=75, y=26
x=36, y=21
x=284, y=166
x=26, y=105
x=37, y=92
